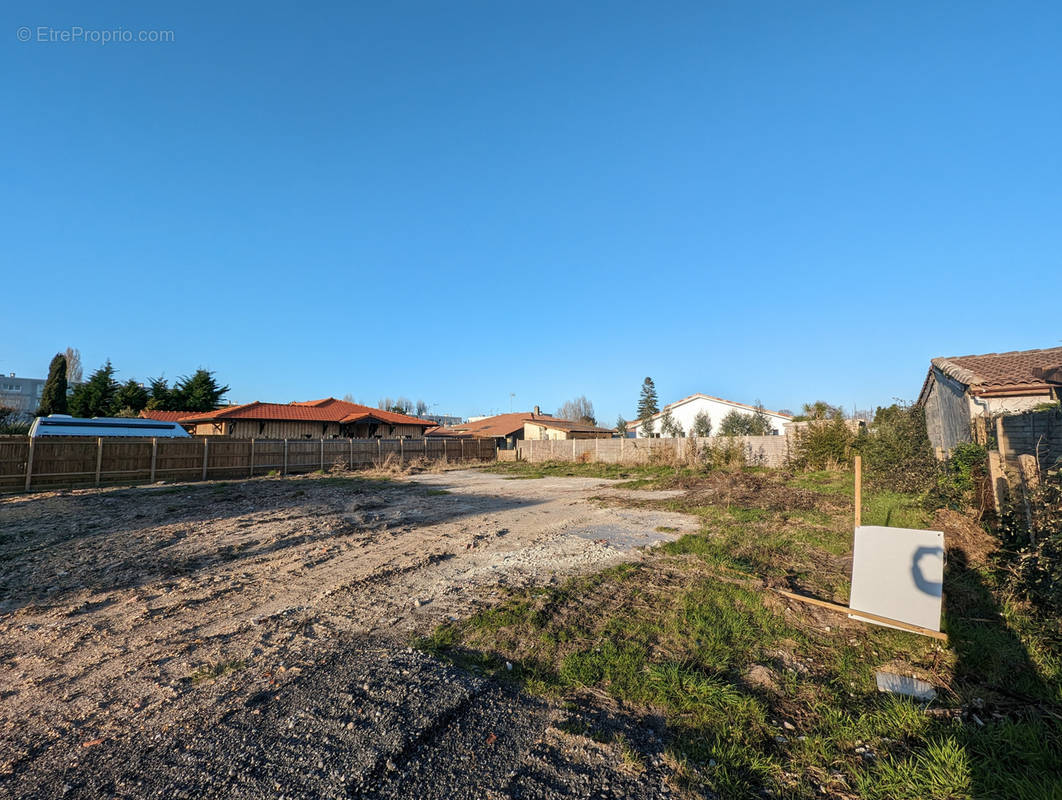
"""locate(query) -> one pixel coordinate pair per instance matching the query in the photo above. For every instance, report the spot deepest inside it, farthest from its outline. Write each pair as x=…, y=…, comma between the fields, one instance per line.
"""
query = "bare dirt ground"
x=144, y=631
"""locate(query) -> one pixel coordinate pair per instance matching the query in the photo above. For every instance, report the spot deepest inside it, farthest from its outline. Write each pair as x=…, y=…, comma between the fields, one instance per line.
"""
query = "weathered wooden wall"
x=767, y=451
x=60, y=463
x=947, y=414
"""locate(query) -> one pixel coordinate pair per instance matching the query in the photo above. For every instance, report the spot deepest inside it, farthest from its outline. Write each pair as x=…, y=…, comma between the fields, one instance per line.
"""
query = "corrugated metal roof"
x=62, y=425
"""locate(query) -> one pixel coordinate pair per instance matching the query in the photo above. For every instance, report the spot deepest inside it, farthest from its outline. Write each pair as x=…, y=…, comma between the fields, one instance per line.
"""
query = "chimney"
x=537, y=412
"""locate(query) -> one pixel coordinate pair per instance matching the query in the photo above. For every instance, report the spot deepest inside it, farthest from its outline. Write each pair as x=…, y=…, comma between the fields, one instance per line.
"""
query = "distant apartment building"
x=443, y=419
x=21, y=394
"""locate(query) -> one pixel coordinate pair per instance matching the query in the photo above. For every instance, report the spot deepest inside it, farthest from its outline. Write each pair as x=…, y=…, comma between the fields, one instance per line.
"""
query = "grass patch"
x=437, y=492
x=762, y=698
x=214, y=670
x=642, y=476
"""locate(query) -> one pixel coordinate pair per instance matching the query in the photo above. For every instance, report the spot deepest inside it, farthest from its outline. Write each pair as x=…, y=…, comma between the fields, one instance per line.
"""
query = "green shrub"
x=1031, y=531
x=960, y=476
x=822, y=444
x=896, y=452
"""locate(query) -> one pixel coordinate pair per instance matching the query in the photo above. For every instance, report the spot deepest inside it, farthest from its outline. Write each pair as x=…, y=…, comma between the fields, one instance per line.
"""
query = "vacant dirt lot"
x=137, y=622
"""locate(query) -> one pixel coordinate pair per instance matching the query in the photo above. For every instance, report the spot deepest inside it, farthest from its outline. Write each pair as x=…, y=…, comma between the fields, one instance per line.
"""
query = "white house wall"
x=684, y=414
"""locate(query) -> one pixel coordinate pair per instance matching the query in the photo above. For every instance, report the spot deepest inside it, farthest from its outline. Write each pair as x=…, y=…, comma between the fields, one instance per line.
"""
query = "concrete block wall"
x=767, y=451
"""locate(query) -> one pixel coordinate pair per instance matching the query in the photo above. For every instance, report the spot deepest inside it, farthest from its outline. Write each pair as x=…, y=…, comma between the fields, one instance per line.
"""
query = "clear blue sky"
x=455, y=201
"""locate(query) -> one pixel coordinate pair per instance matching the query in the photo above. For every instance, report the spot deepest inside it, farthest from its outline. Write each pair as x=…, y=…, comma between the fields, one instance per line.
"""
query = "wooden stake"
x=907, y=626
x=858, y=490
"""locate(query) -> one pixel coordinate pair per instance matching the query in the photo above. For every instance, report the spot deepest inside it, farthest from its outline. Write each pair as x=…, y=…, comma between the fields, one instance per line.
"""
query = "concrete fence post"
x=285, y=469
x=29, y=464
x=401, y=451
x=350, y=463
x=206, y=455
x=322, y=454
x=154, y=457
x=250, y=467
x=99, y=458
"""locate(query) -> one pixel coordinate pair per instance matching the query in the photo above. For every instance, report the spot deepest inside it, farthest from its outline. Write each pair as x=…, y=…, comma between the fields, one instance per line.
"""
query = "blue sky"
x=455, y=201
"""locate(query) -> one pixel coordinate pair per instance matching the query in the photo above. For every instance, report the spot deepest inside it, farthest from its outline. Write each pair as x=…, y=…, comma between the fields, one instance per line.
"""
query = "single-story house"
x=962, y=391
x=508, y=429
x=105, y=427
x=316, y=419
x=505, y=429
x=553, y=428
x=685, y=411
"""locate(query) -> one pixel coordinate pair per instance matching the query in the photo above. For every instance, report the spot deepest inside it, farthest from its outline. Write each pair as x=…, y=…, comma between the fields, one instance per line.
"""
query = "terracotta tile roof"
x=1034, y=370
x=490, y=427
x=569, y=425
x=327, y=410
x=167, y=416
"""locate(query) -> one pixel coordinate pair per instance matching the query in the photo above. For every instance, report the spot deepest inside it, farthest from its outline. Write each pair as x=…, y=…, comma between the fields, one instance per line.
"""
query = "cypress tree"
x=53, y=396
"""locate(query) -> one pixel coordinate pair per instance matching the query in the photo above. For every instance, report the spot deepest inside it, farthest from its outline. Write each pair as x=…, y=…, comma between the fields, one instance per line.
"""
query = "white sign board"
x=898, y=573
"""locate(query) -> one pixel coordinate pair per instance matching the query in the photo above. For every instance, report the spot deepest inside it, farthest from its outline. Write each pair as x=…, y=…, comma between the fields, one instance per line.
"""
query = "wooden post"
x=350, y=464
x=462, y=449
x=858, y=490
x=379, y=450
x=624, y=436
x=154, y=457
x=285, y=471
x=99, y=458
x=401, y=451
x=322, y=454
x=29, y=464
x=573, y=451
x=206, y=455
x=250, y=469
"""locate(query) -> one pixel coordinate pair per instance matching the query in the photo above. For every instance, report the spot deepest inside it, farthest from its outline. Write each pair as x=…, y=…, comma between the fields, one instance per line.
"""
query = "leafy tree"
x=647, y=406
x=96, y=397
x=13, y=421
x=819, y=410
x=702, y=425
x=578, y=410
x=132, y=398
x=74, y=372
x=669, y=426
x=621, y=425
x=646, y=428
x=198, y=392
x=53, y=396
x=740, y=423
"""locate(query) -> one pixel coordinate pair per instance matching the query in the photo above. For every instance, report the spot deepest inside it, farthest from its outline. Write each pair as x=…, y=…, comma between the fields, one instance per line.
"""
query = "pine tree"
x=131, y=399
x=161, y=395
x=647, y=407
x=647, y=401
x=96, y=397
x=53, y=396
x=200, y=392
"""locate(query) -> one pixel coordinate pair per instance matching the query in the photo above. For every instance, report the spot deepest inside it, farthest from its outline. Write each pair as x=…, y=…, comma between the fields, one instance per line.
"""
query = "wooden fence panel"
x=13, y=455
x=73, y=462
